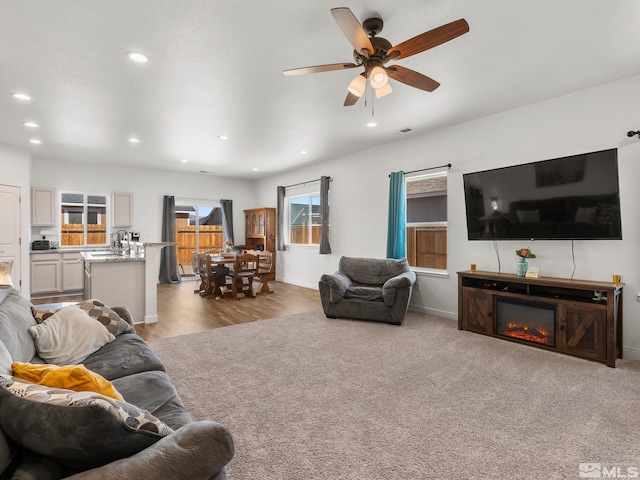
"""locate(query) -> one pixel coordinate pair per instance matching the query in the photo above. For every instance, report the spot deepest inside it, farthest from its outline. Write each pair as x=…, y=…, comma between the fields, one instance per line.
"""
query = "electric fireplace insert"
x=527, y=321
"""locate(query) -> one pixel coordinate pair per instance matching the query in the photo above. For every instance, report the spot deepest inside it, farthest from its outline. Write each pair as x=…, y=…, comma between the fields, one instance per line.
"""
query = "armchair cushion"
x=372, y=271
x=364, y=293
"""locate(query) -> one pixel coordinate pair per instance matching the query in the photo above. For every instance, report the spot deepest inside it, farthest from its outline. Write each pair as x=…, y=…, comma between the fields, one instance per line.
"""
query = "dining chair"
x=199, y=263
x=245, y=269
x=266, y=269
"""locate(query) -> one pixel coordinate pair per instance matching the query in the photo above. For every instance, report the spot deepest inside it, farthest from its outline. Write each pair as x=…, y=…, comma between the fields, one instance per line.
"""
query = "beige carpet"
x=311, y=398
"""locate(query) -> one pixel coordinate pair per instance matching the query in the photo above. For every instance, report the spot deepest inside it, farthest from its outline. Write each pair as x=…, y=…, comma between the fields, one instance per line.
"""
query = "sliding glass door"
x=198, y=229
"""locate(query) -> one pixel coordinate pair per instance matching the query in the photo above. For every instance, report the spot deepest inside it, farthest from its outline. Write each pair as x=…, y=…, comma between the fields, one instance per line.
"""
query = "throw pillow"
x=80, y=430
x=113, y=322
x=528, y=216
x=69, y=336
x=97, y=310
x=586, y=214
x=70, y=377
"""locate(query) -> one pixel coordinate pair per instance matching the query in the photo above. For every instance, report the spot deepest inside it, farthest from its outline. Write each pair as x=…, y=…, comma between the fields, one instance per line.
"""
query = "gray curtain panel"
x=280, y=220
x=168, y=255
x=227, y=220
x=325, y=246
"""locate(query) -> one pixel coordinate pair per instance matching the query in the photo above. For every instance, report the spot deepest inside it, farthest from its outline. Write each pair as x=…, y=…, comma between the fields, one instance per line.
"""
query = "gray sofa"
x=150, y=436
x=368, y=289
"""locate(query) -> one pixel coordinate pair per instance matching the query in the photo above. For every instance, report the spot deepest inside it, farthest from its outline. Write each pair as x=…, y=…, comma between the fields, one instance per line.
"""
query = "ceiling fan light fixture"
x=384, y=90
x=357, y=86
x=378, y=77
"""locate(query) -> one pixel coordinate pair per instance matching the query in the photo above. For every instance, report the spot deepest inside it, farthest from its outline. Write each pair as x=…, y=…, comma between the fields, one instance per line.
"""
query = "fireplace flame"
x=526, y=332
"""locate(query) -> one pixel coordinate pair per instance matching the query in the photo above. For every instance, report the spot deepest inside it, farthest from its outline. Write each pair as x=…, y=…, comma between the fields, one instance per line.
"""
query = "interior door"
x=10, y=231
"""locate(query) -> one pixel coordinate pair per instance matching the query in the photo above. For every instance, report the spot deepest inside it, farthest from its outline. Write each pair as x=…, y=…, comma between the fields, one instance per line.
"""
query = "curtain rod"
x=304, y=183
x=448, y=165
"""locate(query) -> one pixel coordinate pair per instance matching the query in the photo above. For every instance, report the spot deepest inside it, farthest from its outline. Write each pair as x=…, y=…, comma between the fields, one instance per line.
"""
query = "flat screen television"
x=569, y=198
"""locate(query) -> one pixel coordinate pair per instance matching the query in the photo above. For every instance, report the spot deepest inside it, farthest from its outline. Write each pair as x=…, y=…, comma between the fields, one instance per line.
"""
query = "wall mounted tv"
x=568, y=198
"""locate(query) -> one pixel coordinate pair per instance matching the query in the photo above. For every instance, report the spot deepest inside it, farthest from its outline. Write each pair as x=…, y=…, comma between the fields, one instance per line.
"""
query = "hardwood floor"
x=181, y=311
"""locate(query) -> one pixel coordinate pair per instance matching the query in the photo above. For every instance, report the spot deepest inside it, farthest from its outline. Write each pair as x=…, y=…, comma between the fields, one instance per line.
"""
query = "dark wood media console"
x=582, y=322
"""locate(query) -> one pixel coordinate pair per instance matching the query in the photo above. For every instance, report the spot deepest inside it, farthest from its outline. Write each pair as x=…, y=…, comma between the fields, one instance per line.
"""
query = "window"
x=83, y=219
x=427, y=221
x=304, y=219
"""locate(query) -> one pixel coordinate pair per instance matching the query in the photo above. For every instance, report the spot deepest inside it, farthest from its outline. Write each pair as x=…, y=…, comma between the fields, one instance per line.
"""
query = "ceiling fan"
x=373, y=52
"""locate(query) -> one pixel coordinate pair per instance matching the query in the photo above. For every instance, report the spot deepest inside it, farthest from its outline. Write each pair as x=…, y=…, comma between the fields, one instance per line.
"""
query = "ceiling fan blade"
x=429, y=39
x=319, y=68
x=412, y=78
x=352, y=29
x=351, y=99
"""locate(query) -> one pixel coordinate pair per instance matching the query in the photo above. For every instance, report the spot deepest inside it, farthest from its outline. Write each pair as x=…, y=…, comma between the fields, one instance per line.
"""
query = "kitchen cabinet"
x=45, y=273
x=55, y=273
x=72, y=272
x=122, y=209
x=260, y=228
x=43, y=207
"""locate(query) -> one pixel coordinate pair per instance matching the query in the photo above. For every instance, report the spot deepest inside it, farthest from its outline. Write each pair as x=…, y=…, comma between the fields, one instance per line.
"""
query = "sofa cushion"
x=97, y=310
x=126, y=355
x=154, y=392
x=70, y=377
x=372, y=271
x=68, y=336
x=78, y=429
x=15, y=320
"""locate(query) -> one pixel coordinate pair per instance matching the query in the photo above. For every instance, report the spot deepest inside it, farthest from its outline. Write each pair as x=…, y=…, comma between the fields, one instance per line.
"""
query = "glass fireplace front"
x=529, y=321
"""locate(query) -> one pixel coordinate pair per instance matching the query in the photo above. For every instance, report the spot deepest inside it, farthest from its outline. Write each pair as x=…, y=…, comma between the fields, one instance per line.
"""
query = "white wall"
x=148, y=187
x=584, y=121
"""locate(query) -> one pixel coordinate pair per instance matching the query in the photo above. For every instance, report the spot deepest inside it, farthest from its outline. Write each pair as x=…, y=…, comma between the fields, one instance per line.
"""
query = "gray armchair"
x=368, y=289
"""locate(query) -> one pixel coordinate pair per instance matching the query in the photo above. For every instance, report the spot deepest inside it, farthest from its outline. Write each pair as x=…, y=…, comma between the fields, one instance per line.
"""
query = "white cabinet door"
x=122, y=209
x=44, y=276
x=72, y=272
x=43, y=207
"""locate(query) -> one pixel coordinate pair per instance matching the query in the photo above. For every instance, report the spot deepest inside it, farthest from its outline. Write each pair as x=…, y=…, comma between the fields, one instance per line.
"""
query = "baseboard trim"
x=630, y=353
x=435, y=312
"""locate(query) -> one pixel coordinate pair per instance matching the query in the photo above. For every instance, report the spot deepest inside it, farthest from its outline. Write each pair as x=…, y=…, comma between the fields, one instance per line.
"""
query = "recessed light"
x=372, y=124
x=184, y=160
x=134, y=140
x=224, y=137
x=137, y=57
x=31, y=124
x=255, y=169
x=35, y=141
x=21, y=96
x=303, y=152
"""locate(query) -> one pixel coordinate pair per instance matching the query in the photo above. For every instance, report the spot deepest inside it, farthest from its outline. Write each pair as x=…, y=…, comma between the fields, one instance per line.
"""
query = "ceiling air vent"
x=402, y=131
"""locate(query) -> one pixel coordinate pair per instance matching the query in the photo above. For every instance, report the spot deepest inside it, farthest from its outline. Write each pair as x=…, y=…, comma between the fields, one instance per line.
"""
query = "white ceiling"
x=216, y=69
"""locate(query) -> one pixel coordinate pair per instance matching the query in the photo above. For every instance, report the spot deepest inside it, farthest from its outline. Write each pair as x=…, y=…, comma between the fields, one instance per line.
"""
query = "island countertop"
x=110, y=257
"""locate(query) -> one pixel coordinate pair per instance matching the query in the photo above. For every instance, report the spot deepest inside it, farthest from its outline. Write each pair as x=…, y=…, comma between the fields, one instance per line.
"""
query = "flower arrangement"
x=229, y=243
x=525, y=253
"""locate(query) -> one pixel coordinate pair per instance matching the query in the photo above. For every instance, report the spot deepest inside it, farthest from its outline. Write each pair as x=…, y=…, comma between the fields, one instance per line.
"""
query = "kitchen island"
x=116, y=280
x=126, y=279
